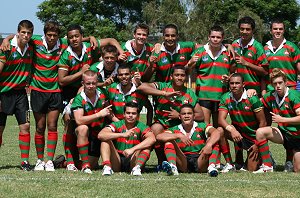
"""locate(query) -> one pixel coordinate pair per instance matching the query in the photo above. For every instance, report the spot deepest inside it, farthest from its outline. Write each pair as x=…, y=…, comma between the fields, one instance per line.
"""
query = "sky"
x=22, y=9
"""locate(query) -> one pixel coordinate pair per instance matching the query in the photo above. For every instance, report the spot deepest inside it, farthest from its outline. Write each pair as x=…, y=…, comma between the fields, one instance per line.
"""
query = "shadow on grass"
x=9, y=167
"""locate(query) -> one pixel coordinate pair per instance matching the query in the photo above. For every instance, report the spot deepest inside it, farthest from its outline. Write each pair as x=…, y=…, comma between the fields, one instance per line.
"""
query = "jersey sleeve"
x=77, y=103
x=257, y=105
x=261, y=56
x=63, y=62
x=223, y=105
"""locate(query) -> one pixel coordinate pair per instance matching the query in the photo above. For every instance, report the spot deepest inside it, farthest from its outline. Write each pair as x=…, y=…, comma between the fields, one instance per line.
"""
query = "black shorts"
x=192, y=162
x=67, y=94
x=43, y=102
x=94, y=146
x=15, y=102
x=291, y=143
x=125, y=163
x=209, y=104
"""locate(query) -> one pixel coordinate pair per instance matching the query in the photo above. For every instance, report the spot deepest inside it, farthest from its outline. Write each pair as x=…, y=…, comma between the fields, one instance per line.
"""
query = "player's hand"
x=153, y=59
x=277, y=118
x=129, y=133
x=171, y=95
x=236, y=136
x=225, y=79
x=85, y=67
x=173, y=114
x=93, y=42
x=5, y=46
x=123, y=57
x=108, y=81
x=104, y=112
x=253, y=150
x=137, y=78
x=128, y=152
x=156, y=48
x=186, y=140
x=194, y=59
x=251, y=92
x=230, y=50
x=206, y=150
x=241, y=60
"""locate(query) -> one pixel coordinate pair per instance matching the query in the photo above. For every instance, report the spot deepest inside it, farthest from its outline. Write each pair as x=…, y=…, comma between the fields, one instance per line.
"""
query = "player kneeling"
x=126, y=144
x=190, y=146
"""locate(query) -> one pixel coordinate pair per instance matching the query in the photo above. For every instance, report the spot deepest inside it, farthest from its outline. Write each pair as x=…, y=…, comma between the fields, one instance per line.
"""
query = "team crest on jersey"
x=250, y=54
x=164, y=60
x=182, y=57
x=205, y=58
x=225, y=59
x=134, y=101
x=198, y=136
x=286, y=52
x=286, y=106
x=186, y=101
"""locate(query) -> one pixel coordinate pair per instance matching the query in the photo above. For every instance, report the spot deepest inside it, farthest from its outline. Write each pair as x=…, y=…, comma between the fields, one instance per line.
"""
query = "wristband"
x=228, y=127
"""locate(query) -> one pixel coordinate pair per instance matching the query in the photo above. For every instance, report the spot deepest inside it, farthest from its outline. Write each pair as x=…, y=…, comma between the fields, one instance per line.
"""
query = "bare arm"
x=261, y=71
x=199, y=116
x=260, y=117
x=168, y=136
x=5, y=43
x=111, y=41
x=293, y=120
x=82, y=119
x=1, y=66
x=106, y=134
x=146, y=143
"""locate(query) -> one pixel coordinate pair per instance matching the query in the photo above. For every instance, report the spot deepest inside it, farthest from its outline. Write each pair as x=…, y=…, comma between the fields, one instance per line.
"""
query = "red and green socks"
x=24, y=144
x=170, y=153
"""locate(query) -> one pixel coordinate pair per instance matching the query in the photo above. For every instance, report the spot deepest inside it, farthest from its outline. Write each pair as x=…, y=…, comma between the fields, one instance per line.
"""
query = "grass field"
x=16, y=183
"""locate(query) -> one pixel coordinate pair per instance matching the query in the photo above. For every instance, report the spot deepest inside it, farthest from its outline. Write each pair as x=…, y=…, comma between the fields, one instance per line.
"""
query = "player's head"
x=216, y=36
x=25, y=31
x=140, y=33
x=109, y=55
x=89, y=81
x=246, y=26
x=187, y=114
x=170, y=34
x=51, y=31
x=131, y=112
x=124, y=74
x=75, y=35
x=236, y=83
x=278, y=80
x=178, y=75
x=277, y=29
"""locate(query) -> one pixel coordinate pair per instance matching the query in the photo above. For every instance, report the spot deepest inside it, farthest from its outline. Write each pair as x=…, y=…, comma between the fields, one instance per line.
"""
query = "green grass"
x=16, y=183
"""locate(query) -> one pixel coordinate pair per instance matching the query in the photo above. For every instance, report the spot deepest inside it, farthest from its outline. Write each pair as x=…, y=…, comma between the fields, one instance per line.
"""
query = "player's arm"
x=298, y=67
x=199, y=115
x=1, y=66
x=111, y=41
x=5, y=46
x=262, y=71
x=214, y=137
x=292, y=120
x=260, y=117
x=230, y=129
x=107, y=134
x=148, y=140
x=82, y=119
x=65, y=79
x=152, y=61
x=168, y=136
x=151, y=89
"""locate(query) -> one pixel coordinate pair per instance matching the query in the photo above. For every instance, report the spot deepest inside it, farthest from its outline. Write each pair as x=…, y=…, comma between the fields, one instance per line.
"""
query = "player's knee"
x=24, y=128
x=52, y=127
x=82, y=130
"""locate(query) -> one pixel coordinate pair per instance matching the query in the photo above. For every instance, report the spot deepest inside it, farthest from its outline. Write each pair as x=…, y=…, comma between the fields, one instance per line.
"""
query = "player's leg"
x=138, y=161
x=225, y=149
x=175, y=159
x=206, y=108
x=94, y=151
x=296, y=161
x=253, y=158
x=82, y=132
x=39, y=139
x=157, y=128
x=110, y=158
x=207, y=163
x=3, y=118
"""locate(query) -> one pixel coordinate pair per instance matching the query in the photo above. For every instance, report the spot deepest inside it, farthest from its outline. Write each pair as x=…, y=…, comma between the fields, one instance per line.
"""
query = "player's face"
x=178, y=77
x=170, y=37
x=110, y=60
x=24, y=35
x=51, y=38
x=89, y=84
x=236, y=85
x=131, y=115
x=140, y=36
x=279, y=86
x=277, y=30
x=246, y=32
x=124, y=76
x=74, y=38
x=186, y=116
x=215, y=39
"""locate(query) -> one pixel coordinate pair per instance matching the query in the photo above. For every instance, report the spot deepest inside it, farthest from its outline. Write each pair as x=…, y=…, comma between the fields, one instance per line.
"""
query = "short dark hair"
x=247, y=20
x=237, y=75
x=178, y=67
x=123, y=66
x=75, y=27
x=109, y=49
x=51, y=26
x=276, y=20
x=172, y=26
x=25, y=24
x=216, y=28
x=131, y=104
x=187, y=105
x=141, y=26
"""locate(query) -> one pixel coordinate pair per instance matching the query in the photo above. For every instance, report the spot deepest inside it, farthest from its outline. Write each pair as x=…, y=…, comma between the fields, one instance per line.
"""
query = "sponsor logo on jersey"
x=116, y=97
x=164, y=60
x=86, y=107
x=268, y=52
x=230, y=106
x=73, y=61
x=15, y=55
x=205, y=58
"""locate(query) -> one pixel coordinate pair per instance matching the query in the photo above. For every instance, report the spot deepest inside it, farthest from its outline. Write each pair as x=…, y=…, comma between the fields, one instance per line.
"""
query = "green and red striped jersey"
x=253, y=53
x=209, y=73
x=242, y=113
x=166, y=60
x=135, y=60
x=285, y=107
x=17, y=66
x=45, y=71
x=285, y=57
x=81, y=101
x=121, y=144
x=197, y=134
x=118, y=99
x=70, y=62
x=187, y=96
x=102, y=74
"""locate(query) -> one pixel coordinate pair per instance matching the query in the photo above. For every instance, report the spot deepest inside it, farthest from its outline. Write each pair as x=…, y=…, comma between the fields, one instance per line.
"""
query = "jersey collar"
x=162, y=48
x=14, y=42
x=84, y=49
x=248, y=45
x=277, y=99
x=133, y=88
x=271, y=48
x=84, y=96
x=128, y=46
x=192, y=130
x=56, y=47
x=100, y=67
x=243, y=97
x=206, y=47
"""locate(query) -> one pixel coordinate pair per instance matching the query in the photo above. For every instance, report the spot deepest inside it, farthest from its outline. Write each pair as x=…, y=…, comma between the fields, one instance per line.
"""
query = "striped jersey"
x=103, y=74
x=242, y=113
x=81, y=101
x=135, y=60
x=167, y=60
x=285, y=57
x=118, y=99
x=209, y=73
x=17, y=67
x=197, y=134
x=253, y=53
x=187, y=96
x=45, y=74
x=121, y=144
x=284, y=107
